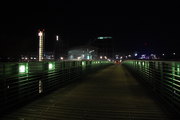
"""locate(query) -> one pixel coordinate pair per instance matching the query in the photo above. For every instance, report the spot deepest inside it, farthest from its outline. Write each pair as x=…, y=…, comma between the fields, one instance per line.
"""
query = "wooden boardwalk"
x=109, y=94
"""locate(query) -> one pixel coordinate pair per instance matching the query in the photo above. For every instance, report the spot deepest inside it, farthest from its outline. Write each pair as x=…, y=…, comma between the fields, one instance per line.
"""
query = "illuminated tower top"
x=41, y=44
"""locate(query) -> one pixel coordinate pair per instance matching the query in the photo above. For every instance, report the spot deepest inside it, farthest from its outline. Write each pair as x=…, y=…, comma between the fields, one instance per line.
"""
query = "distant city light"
x=88, y=57
x=91, y=51
x=61, y=58
x=143, y=56
x=117, y=56
x=121, y=57
x=78, y=58
x=101, y=57
x=163, y=54
x=129, y=55
x=174, y=53
x=135, y=54
x=57, y=38
x=108, y=37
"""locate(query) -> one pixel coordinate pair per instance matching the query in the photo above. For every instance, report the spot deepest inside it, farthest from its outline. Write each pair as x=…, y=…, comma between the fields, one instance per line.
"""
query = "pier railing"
x=25, y=81
x=162, y=77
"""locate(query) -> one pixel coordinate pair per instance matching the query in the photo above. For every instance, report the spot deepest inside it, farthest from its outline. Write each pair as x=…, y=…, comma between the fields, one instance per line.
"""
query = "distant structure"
x=104, y=45
x=59, y=50
x=82, y=53
x=41, y=35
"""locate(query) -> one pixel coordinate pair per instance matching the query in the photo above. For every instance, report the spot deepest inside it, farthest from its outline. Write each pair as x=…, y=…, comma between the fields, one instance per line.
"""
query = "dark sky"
x=134, y=26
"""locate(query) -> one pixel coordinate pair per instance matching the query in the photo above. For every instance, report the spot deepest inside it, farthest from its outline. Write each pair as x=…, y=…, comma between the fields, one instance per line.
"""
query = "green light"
x=83, y=63
x=178, y=69
x=51, y=66
x=23, y=68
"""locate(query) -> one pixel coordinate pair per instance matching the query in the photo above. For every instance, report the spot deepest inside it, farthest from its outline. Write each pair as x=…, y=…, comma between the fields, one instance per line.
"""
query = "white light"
x=88, y=57
x=57, y=38
x=40, y=34
x=34, y=58
x=105, y=57
x=121, y=57
x=31, y=58
x=50, y=66
x=174, y=53
x=26, y=58
x=79, y=58
x=163, y=54
x=61, y=58
x=129, y=55
x=91, y=51
x=135, y=54
x=101, y=57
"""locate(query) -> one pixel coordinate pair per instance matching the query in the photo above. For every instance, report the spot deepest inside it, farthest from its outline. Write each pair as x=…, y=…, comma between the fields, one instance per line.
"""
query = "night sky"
x=152, y=27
